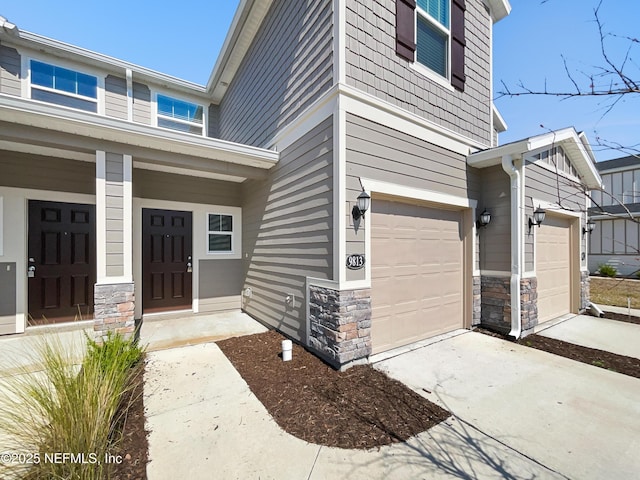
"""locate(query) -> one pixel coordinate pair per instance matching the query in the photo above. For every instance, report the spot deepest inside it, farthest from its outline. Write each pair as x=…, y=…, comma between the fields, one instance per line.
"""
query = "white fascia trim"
x=101, y=216
x=127, y=216
x=498, y=121
x=370, y=107
x=310, y=118
x=42, y=115
x=398, y=190
x=105, y=62
x=554, y=208
x=499, y=9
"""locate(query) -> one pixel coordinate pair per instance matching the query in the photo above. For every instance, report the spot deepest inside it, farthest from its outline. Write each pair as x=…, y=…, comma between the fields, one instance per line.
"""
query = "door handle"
x=31, y=272
x=189, y=268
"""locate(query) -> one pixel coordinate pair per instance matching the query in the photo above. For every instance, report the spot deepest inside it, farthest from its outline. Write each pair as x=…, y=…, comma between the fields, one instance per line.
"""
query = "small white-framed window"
x=220, y=233
x=180, y=115
x=63, y=86
x=433, y=35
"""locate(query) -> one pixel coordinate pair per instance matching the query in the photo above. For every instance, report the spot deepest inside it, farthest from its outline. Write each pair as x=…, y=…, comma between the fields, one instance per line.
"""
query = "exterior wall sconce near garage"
x=588, y=228
x=537, y=219
x=358, y=211
x=484, y=219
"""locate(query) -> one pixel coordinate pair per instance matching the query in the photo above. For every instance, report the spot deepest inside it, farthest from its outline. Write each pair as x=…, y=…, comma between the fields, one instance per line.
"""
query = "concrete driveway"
x=577, y=420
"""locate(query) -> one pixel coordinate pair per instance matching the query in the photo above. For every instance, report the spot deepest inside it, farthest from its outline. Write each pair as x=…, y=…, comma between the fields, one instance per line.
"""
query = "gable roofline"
x=619, y=164
x=498, y=121
x=574, y=144
x=498, y=9
x=244, y=27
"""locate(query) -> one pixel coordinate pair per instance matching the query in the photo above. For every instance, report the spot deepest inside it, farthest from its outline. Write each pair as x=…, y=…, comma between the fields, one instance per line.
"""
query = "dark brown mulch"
x=592, y=356
x=358, y=408
x=133, y=447
x=622, y=317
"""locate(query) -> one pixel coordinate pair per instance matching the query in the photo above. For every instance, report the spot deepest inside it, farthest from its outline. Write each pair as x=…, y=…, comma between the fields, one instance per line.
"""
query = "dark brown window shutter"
x=406, y=29
x=458, y=43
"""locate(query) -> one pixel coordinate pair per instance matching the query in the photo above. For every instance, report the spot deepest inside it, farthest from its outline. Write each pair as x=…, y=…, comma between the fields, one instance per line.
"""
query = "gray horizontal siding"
x=10, y=71
x=141, y=103
x=288, y=230
x=220, y=284
x=114, y=191
x=374, y=67
x=545, y=185
x=184, y=188
x=7, y=297
x=288, y=66
x=380, y=153
x=115, y=97
x=495, y=239
x=214, y=121
x=46, y=173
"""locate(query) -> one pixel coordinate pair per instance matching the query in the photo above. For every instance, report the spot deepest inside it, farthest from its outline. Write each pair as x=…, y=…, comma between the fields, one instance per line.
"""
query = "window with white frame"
x=69, y=88
x=180, y=115
x=219, y=233
x=433, y=35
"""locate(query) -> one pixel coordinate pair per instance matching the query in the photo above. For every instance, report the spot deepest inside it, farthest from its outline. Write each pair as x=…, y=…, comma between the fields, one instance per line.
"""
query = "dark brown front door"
x=166, y=255
x=62, y=265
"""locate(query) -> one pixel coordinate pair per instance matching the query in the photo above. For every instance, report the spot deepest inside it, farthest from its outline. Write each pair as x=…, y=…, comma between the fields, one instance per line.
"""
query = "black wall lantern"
x=358, y=210
x=588, y=228
x=538, y=218
x=484, y=219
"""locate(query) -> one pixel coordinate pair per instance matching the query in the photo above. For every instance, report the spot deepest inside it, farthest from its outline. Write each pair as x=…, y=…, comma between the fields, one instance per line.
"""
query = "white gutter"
x=517, y=241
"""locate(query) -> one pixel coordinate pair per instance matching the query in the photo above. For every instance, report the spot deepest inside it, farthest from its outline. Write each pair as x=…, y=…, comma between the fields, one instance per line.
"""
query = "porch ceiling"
x=28, y=123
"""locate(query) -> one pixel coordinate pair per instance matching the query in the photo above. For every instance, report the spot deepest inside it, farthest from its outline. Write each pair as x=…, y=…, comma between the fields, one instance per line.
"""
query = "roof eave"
x=498, y=9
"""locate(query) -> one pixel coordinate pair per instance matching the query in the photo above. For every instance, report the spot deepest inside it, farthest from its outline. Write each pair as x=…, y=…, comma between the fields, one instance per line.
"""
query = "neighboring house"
x=615, y=211
x=127, y=193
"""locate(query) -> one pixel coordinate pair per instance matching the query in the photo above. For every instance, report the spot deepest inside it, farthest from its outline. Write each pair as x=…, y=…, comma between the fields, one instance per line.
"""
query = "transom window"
x=62, y=86
x=432, y=35
x=220, y=233
x=180, y=115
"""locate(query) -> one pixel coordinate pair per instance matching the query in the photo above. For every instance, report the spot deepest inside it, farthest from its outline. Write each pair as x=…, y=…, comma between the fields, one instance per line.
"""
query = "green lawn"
x=615, y=291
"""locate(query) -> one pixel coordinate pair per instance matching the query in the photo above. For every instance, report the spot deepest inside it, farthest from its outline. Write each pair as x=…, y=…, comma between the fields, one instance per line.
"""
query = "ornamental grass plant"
x=58, y=419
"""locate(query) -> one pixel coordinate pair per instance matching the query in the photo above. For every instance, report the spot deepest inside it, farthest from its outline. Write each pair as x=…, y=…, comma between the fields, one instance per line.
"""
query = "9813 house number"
x=355, y=261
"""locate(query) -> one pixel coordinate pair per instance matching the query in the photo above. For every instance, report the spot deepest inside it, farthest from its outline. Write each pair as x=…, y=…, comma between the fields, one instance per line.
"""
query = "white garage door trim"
x=401, y=316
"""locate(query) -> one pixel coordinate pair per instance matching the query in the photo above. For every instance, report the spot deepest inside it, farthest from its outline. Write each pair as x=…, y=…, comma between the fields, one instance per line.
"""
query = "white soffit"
x=498, y=122
x=499, y=9
x=245, y=25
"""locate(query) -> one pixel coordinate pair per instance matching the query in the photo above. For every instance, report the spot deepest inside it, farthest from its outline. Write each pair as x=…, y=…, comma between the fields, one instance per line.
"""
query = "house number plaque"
x=355, y=261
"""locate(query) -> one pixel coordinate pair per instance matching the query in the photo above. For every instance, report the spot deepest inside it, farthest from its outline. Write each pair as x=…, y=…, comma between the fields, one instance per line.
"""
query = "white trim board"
x=417, y=193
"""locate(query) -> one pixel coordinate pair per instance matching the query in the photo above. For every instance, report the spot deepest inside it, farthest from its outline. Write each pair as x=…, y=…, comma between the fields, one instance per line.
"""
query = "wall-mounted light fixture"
x=588, y=228
x=537, y=219
x=484, y=219
x=358, y=210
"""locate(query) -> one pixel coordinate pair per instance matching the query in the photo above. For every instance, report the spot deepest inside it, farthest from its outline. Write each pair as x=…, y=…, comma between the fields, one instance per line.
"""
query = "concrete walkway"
x=206, y=423
x=601, y=333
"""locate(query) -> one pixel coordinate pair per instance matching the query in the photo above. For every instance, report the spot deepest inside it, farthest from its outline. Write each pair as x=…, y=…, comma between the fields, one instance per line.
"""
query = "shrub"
x=67, y=408
x=607, y=270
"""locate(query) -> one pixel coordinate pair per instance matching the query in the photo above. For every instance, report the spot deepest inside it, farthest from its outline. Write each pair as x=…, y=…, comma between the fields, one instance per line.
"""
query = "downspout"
x=517, y=242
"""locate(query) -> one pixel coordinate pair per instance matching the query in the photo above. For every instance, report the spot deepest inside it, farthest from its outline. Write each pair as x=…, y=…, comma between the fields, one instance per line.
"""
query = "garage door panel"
x=416, y=273
x=553, y=268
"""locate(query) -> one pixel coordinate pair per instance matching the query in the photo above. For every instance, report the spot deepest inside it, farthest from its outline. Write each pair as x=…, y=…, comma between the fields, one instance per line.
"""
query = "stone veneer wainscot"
x=114, y=309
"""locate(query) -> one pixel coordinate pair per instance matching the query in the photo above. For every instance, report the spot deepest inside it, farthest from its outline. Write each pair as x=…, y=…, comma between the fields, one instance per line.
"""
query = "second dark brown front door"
x=62, y=246
x=166, y=257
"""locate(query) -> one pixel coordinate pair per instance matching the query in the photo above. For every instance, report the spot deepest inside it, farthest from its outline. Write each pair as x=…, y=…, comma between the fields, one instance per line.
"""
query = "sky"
x=183, y=39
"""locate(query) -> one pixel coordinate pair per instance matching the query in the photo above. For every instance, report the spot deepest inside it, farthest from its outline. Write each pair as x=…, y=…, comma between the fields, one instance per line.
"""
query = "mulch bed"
x=622, y=317
x=359, y=408
x=592, y=356
x=133, y=447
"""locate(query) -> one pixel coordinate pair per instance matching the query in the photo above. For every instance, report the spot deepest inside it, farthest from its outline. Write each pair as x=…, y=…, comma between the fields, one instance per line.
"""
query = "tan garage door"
x=553, y=268
x=417, y=286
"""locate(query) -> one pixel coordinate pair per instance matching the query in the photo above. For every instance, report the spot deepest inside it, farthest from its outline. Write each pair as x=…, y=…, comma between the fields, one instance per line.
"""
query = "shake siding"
x=115, y=97
x=374, y=67
x=288, y=67
x=545, y=185
x=495, y=239
x=380, y=153
x=23, y=170
x=114, y=190
x=10, y=71
x=183, y=188
x=288, y=230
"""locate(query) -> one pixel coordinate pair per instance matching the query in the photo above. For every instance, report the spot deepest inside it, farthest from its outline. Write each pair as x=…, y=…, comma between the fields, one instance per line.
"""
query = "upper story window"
x=432, y=35
x=62, y=86
x=180, y=115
